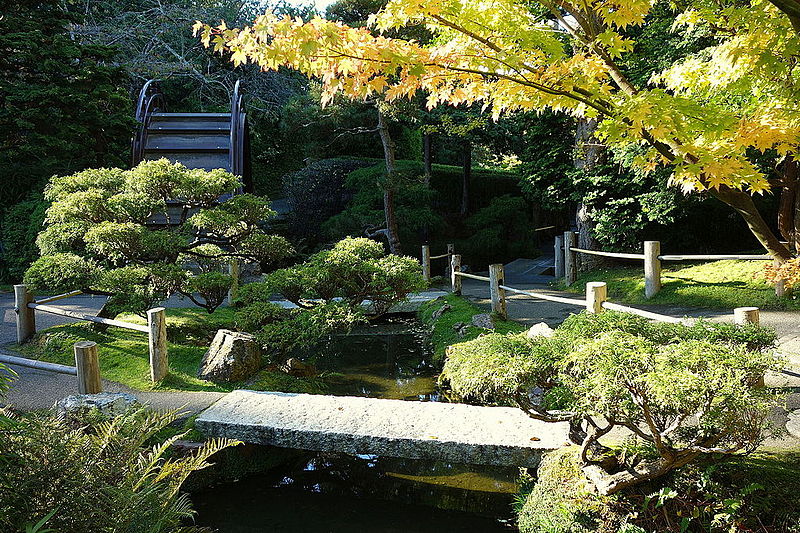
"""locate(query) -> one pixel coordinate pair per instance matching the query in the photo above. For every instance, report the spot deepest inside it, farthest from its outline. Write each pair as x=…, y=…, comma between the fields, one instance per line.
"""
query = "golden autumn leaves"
x=700, y=115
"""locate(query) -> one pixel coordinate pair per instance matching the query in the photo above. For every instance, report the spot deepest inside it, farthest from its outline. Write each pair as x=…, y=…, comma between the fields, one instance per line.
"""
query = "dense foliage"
x=63, y=107
x=333, y=289
x=101, y=236
x=684, y=391
x=751, y=493
x=100, y=475
x=700, y=118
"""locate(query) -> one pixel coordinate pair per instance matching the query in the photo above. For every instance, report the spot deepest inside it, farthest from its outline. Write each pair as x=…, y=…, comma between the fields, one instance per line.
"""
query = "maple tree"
x=700, y=116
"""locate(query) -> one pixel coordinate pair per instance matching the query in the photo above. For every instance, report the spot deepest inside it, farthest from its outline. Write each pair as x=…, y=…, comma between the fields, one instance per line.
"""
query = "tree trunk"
x=466, y=176
x=389, y=186
x=788, y=215
x=426, y=158
x=743, y=204
x=588, y=154
x=792, y=10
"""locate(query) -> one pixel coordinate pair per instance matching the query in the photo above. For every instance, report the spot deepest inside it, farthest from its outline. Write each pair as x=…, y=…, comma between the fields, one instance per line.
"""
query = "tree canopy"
x=702, y=116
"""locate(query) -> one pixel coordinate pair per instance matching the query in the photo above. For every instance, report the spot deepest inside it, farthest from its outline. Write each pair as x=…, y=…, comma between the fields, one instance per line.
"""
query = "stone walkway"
x=459, y=433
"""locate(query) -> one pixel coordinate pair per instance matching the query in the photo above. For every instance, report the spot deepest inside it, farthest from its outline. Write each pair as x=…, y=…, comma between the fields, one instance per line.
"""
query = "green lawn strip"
x=714, y=285
x=442, y=332
x=124, y=354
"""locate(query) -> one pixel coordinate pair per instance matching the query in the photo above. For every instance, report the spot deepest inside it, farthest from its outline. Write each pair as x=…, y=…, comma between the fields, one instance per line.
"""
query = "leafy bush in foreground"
x=686, y=392
x=108, y=476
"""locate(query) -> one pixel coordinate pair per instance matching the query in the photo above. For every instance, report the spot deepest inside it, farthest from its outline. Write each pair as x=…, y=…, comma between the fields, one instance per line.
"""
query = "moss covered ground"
x=714, y=285
x=443, y=332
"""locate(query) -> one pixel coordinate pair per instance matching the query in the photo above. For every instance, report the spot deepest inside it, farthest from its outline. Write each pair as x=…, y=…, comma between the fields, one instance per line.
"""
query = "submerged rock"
x=232, y=356
x=297, y=368
x=483, y=320
x=539, y=330
x=106, y=404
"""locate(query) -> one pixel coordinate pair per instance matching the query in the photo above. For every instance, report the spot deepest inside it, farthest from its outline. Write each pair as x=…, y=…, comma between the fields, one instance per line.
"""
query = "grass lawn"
x=714, y=285
x=124, y=354
x=443, y=334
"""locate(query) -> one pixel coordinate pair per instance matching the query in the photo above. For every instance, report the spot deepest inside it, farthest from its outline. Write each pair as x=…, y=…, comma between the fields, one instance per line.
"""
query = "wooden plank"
x=547, y=297
x=88, y=318
x=596, y=294
x=652, y=268
x=157, y=338
x=455, y=271
x=472, y=276
x=558, y=251
x=26, y=318
x=496, y=291
x=49, y=299
x=570, y=258
x=717, y=257
x=642, y=313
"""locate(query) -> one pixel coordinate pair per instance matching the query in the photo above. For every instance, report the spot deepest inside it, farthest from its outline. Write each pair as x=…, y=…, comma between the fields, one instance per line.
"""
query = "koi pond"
x=323, y=492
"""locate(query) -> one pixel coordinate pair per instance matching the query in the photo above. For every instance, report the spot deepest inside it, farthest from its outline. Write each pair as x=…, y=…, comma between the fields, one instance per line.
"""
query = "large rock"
x=106, y=404
x=232, y=356
x=539, y=330
x=483, y=320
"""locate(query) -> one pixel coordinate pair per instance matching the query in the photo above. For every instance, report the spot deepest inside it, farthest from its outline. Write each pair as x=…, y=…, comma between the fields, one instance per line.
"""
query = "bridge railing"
x=156, y=328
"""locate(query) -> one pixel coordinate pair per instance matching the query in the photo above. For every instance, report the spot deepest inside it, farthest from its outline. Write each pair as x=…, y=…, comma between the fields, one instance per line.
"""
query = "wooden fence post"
x=451, y=249
x=780, y=285
x=558, y=249
x=233, y=271
x=426, y=262
x=745, y=315
x=455, y=268
x=570, y=257
x=87, y=362
x=652, y=268
x=497, y=278
x=159, y=362
x=596, y=294
x=26, y=317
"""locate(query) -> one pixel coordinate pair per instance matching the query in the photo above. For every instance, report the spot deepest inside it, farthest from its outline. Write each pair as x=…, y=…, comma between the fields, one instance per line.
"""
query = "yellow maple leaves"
x=701, y=115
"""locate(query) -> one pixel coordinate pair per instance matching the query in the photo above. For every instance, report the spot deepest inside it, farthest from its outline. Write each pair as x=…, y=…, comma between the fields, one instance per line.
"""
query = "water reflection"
x=387, y=360
x=332, y=492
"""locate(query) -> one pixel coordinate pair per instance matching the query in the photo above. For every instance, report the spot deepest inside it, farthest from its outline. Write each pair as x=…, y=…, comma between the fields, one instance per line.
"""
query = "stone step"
x=451, y=432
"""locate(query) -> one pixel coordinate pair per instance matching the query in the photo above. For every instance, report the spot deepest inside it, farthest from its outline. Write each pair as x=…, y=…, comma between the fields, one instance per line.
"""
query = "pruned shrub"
x=687, y=392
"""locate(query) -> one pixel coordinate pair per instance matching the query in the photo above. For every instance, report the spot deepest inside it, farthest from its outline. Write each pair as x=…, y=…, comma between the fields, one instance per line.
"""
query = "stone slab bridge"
x=448, y=432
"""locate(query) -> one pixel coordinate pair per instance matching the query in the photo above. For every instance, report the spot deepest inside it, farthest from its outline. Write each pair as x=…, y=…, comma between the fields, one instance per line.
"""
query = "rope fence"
x=156, y=330
x=595, y=301
x=567, y=259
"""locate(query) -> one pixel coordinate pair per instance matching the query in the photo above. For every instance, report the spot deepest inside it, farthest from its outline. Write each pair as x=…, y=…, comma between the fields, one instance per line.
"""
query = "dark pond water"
x=387, y=360
x=336, y=493
x=317, y=492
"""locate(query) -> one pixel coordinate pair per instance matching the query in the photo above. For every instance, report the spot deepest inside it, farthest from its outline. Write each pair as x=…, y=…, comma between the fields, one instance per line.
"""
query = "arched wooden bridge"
x=197, y=140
